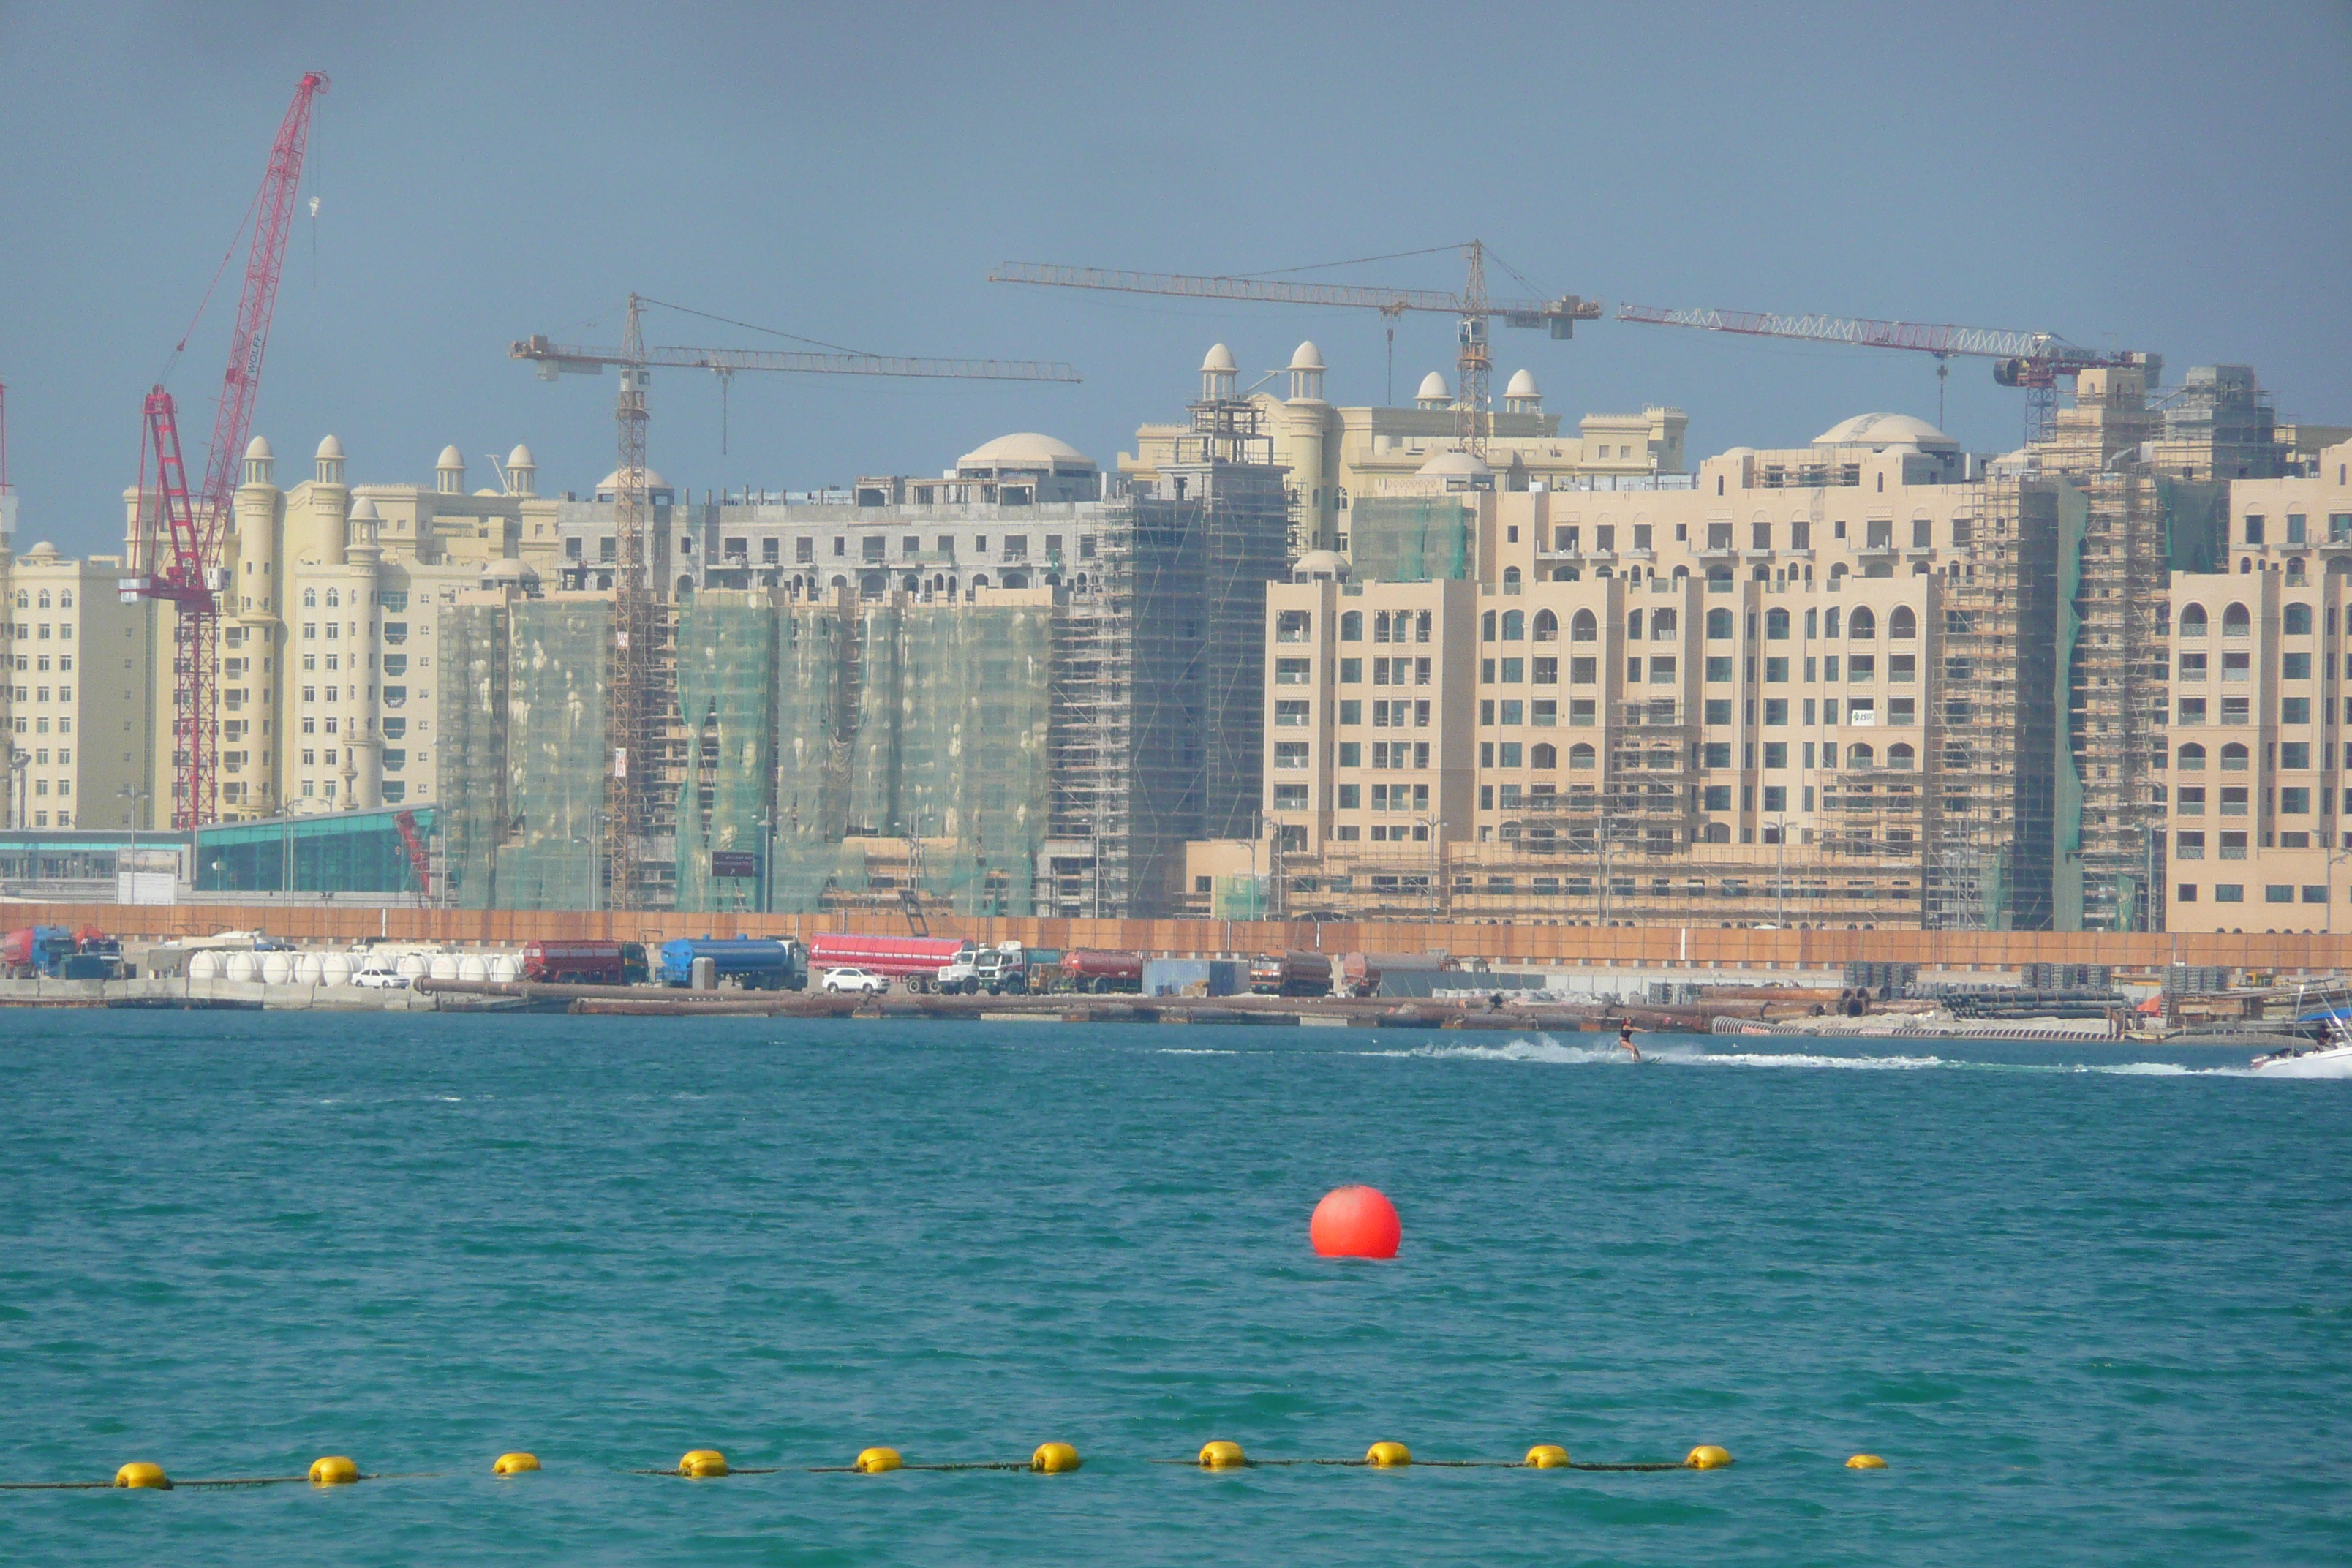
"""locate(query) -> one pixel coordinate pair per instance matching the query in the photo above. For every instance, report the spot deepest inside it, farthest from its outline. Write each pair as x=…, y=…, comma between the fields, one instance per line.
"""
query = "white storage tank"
x=506, y=967
x=277, y=969
x=204, y=965
x=335, y=969
x=245, y=966
x=310, y=969
x=473, y=966
x=444, y=966
x=412, y=966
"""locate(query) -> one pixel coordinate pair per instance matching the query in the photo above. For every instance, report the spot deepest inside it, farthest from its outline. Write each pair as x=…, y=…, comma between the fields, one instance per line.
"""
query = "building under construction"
x=1012, y=690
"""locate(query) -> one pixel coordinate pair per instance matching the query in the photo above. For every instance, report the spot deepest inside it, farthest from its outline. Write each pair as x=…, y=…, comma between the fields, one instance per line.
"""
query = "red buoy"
x=1355, y=1222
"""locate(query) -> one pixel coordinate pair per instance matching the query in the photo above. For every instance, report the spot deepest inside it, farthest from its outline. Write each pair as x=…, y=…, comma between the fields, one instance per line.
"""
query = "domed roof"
x=1523, y=385
x=1455, y=461
x=1320, y=563
x=1307, y=356
x=365, y=509
x=1432, y=385
x=520, y=457
x=1024, y=449
x=610, y=482
x=330, y=448
x=258, y=449
x=43, y=551
x=450, y=458
x=1220, y=358
x=1879, y=431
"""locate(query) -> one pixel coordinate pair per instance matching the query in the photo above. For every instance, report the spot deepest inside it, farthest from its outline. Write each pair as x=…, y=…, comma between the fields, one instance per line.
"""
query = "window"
x=2236, y=622
x=2188, y=845
x=1290, y=798
x=1662, y=673
x=1352, y=626
x=2296, y=622
x=1718, y=710
x=1718, y=626
x=1776, y=754
x=1775, y=710
x=2294, y=755
x=1291, y=714
x=1351, y=796
x=1293, y=671
x=1515, y=625
x=2192, y=710
x=2278, y=893
x=2292, y=709
x=1717, y=753
x=1581, y=755
x=2192, y=758
x=1543, y=755
x=1715, y=797
x=1547, y=626
x=2228, y=892
x=2254, y=530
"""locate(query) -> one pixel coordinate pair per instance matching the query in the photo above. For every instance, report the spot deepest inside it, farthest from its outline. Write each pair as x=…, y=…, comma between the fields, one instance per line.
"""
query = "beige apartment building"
x=1337, y=455
x=2261, y=781
x=1751, y=694
x=77, y=707
x=329, y=624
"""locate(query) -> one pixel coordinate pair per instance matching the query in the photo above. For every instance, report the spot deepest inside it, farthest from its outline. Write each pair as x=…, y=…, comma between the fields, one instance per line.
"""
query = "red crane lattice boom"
x=181, y=536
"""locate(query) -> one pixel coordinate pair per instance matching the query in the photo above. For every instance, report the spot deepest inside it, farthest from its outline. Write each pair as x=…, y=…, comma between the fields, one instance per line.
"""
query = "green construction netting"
x=811, y=772
x=948, y=743
x=726, y=682
x=557, y=759
x=1400, y=538
x=1237, y=898
x=473, y=751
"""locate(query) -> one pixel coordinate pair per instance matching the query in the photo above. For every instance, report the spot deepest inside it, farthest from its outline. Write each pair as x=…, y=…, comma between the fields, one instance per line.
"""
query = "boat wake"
x=1544, y=1048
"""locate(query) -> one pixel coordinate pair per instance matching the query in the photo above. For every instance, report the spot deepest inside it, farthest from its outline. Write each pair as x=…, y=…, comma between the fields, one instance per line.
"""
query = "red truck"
x=1291, y=974
x=900, y=957
x=585, y=963
x=1092, y=968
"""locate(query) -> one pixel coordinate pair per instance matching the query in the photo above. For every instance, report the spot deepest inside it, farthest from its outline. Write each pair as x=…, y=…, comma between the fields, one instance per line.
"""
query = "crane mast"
x=180, y=538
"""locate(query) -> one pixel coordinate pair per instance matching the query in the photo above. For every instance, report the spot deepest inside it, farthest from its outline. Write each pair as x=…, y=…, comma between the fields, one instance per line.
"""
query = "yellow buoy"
x=874, y=1461
x=334, y=1470
x=1545, y=1456
x=1707, y=1457
x=1222, y=1456
x=1865, y=1462
x=141, y=1474
x=1054, y=1459
x=703, y=1462
x=514, y=1464
x=1387, y=1456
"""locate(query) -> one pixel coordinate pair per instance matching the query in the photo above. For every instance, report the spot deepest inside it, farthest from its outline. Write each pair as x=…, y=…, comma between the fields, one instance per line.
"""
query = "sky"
x=2168, y=177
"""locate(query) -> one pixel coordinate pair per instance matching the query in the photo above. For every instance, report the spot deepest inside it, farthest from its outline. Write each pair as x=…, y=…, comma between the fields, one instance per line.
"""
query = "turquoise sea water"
x=2088, y=1316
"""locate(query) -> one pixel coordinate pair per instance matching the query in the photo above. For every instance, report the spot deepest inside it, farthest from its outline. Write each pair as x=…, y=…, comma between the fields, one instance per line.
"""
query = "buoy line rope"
x=1425, y=1464
x=216, y=1483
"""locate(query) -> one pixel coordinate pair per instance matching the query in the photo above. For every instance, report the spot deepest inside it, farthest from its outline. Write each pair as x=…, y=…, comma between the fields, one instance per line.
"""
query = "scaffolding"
x=726, y=649
x=470, y=714
x=557, y=754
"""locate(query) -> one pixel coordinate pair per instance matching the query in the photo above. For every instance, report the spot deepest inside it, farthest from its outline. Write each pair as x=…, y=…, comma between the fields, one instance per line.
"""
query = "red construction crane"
x=2034, y=361
x=179, y=555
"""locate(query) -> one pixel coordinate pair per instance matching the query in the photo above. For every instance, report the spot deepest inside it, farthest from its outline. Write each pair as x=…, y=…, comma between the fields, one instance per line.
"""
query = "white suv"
x=866, y=980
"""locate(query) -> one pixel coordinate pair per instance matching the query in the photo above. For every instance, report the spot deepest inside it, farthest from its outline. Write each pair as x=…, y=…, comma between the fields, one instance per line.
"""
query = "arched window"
x=1381, y=625
x=1583, y=628
x=2298, y=620
x=2193, y=620
x=1716, y=833
x=1510, y=579
x=1900, y=756
x=1860, y=755
x=1902, y=626
x=979, y=580
x=1829, y=623
x=1662, y=626
x=2192, y=758
x=1776, y=626
x=1579, y=755
x=1486, y=627
x=2235, y=622
x=309, y=598
x=1544, y=754
x=1515, y=625
x=65, y=600
x=1352, y=626
x=1861, y=626
x=1681, y=572
x=21, y=601
x=1566, y=574
x=1718, y=626
x=1719, y=573
x=1547, y=626
x=1837, y=572
x=334, y=599
x=45, y=599
x=2233, y=758
x=913, y=584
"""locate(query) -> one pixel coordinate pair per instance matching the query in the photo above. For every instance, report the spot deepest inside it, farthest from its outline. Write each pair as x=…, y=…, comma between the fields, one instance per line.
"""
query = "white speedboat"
x=2328, y=1058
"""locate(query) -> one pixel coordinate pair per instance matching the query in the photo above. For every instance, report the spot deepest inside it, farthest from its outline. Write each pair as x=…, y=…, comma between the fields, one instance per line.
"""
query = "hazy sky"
x=2175, y=178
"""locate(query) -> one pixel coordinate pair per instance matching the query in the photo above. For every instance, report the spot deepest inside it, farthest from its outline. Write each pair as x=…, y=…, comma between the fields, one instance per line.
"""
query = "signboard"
x=734, y=863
